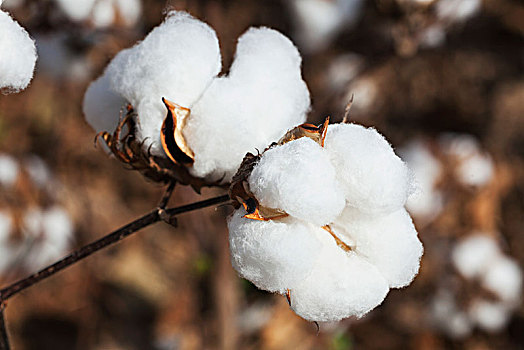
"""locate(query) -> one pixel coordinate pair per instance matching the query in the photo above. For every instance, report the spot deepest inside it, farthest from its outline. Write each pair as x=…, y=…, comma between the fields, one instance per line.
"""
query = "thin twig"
x=103, y=242
x=167, y=195
x=4, y=338
x=347, y=109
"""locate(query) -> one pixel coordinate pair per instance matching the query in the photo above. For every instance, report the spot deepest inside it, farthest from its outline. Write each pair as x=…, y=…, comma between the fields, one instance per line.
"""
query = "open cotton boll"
x=427, y=202
x=273, y=255
x=57, y=227
x=102, y=105
x=130, y=10
x=17, y=55
x=340, y=285
x=389, y=242
x=262, y=97
x=9, y=170
x=504, y=277
x=76, y=10
x=373, y=178
x=103, y=13
x=473, y=254
x=476, y=170
x=177, y=60
x=448, y=317
x=299, y=179
x=490, y=316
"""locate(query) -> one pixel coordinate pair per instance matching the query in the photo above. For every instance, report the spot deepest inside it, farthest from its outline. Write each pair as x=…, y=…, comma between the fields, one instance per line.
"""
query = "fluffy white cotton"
x=472, y=255
x=474, y=167
x=17, y=55
x=490, y=316
x=103, y=14
x=273, y=255
x=447, y=316
x=426, y=202
x=262, y=97
x=177, y=60
x=298, y=178
x=504, y=277
x=130, y=10
x=388, y=242
x=102, y=105
x=76, y=10
x=373, y=178
x=318, y=21
x=476, y=170
x=9, y=170
x=341, y=285
x=49, y=234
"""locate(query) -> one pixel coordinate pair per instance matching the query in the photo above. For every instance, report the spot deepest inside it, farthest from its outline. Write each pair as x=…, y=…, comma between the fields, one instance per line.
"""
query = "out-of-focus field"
x=414, y=76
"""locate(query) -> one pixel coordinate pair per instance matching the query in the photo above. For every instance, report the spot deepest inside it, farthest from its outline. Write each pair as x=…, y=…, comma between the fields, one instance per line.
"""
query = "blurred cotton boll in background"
x=35, y=228
x=319, y=21
x=102, y=13
x=17, y=55
x=497, y=294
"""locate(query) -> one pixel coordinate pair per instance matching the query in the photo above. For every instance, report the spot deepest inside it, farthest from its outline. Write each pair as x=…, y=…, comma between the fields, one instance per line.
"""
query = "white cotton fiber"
x=177, y=60
x=341, y=285
x=9, y=170
x=262, y=97
x=473, y=254
x=298, y=178
x=103, y=14
x=426, y=202
x=373, y=178
x=490, y=316
x=388, y=242
x=102, y=105
x=130, y=10
x=504, y=277
x=274, y=255
x=78, y=10
x=17, y=55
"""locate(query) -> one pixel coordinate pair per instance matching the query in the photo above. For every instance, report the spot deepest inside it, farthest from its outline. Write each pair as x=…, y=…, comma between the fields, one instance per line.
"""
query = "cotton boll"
x=490, y=316
x=103, y=14
x=373, y=178
x=273, y=255
x=177, y=60
x=446, y=315
x=319, y=20
x=476, y=170
x=9, y=170
x=57, y=227
x=262, y=97
x=473, y=254
x=341, y=285
x=299, y=179
x=389, y=242
x=504, y=277
x=76, y=10
x=427, y=202
x=130, y=10
x=17, y=55
x=102, y=105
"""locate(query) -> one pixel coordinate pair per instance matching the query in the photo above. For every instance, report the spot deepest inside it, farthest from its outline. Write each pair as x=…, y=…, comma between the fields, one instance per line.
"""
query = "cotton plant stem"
x=103, y=242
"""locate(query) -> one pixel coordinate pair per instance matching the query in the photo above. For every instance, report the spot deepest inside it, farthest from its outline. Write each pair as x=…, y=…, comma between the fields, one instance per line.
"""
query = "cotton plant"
x=102, y=13
x=17, y=55
x=492, y=282
x=35, y=229
x=321, y=220
x=183, y=120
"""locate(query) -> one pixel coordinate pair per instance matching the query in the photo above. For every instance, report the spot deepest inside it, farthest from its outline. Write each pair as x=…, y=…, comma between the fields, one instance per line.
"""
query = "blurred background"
x=442, y=79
